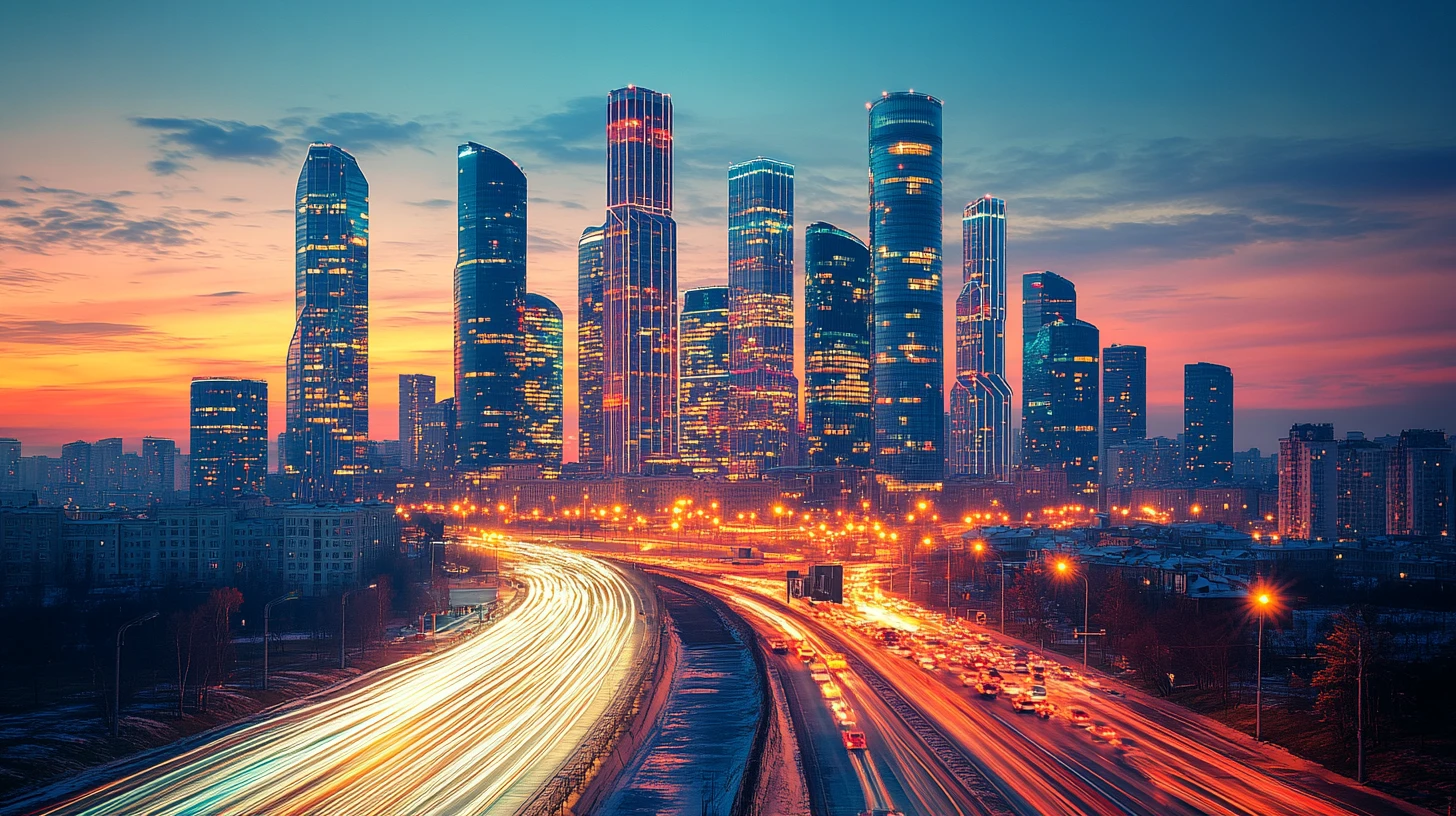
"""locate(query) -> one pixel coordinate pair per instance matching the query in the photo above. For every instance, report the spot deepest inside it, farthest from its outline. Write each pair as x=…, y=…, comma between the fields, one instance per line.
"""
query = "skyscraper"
x=591, y=281
x=1419, y=485
x=228, y=452
x=1124, y=395
x=490, y=294
x=639, y=312
x=1307, y=483
x=9, y=463
x=76, y=470
x=765, y=405
x=327, y=437
x=980, y=399
x=839, y=345
x=1208, y=423
x=416, y=399
x=106, y=467
x=159, y=466
x=905, y=244
x=543, y=382
x=1362, y=468
x=1046, y=297
x=704, y=381
x=1062, y=433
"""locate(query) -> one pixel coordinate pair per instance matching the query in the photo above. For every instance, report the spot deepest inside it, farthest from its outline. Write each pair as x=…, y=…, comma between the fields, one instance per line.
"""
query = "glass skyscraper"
x=639, y=311
x=905, y=244
x=839, y=344
x=704, y=381
x=1046, y=297
x=1124, y=395
x=1208, y=423
x=543, y=381
x=980, y=399
x=228, y=454
x=761, y=315
x=490, y=294
x=591, y=281
x=1063, y=435
x=416, y=401
x=327, y=438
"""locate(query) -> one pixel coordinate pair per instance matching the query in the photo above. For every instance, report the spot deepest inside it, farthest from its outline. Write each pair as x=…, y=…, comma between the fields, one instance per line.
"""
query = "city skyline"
x=164, y=306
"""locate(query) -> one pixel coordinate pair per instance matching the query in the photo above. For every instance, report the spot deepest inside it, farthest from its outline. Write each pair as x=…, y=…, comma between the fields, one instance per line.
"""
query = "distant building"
x=490, y=292
x=591, y=280
x=1362, y=470
x=416, y=399
x=1124, y=395
x=1208, y=423
x=1308, y=483
x=1253, y=466
x=329, y=548
x=228, y=450
x=1144, y=462
x=905, y=157
x=980, y=399
x=704, y=381
x=1419, y=485
x=326, y=442
x=159, y=467
x=9, y=463
x=76, y=471
x=543, y=382
x=765, y=399
x=839, y=399
x=107, y=470
x=385, y=455
x=1061, y=434
x=1046, y=297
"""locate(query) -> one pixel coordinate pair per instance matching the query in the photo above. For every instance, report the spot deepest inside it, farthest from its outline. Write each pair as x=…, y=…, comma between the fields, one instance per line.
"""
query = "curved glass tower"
x=326, y=441
x=905, y=243
x=980, y=399
x=761, y=315
x=1046, y=297
x=838, y=347
x=704, y=379
x=639, y=310
x=490, y=291
x=543, y=382
x=591, y=280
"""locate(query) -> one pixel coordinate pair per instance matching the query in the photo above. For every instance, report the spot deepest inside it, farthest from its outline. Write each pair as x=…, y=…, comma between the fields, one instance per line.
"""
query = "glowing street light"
x=981, y=549
x=1064, y=567
x=1262, y=601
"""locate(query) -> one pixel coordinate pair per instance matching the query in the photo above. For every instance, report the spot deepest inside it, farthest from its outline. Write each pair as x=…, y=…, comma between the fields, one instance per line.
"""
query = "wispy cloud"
x=55, y=217
x=18, y=330
x=221, y=139
x=181, y=140
x=576, y=134
x=365, y=131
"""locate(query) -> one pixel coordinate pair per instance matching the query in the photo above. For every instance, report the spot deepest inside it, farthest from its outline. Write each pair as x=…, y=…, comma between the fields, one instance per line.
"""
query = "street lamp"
x=981, y=549
x=267, y=610
x=1065, y=568
x=1262, y=600
x=116, y=690
x=343, y=608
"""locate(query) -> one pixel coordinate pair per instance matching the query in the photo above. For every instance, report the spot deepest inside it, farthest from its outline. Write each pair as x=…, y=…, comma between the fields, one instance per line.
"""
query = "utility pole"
x=267, y=610
x=116, y=689
x=1360, y=707
x=343, y=618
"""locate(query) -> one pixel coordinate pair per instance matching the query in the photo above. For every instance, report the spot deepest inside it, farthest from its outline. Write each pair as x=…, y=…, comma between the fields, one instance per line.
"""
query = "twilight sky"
x=1270, y=186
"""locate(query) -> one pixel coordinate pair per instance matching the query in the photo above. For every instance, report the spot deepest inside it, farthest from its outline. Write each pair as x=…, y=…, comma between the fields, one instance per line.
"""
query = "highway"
x=475, y=728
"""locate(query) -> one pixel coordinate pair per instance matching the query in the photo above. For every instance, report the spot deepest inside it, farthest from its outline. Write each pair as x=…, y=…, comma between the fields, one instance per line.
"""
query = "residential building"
x=1418, y=493
x=1308, y=483
x=1208, y=423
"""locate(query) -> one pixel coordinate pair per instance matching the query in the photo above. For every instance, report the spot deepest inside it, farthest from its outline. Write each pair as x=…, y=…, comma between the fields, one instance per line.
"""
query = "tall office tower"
x=1124, y=395
x=437, y=450
x=490, y=297
x=76, y=469
x=1208, y=423
x=980, y=399
x=543, y=384
x=591, y=281
x=704, y=383
x=765, y=405
x=159, y=466
x=1062, y=434
x=1362, y=468
x=1418, y=488
x=1307, y=483
x=9, y=463
x=416, y=399
x=229, y=445
x=639, y=311
x=106, y=466
x=839, y=348
x=905, y=245
x=327, y=437
x=1046, y=297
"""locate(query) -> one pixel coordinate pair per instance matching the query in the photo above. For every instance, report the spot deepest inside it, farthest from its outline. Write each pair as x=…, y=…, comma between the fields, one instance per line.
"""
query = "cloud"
x=60, y=217
x=10, y=203
x=168, y=166
x=227, y=294
x=217, y=138
x=576, y=134
x=31, y=280
x=365, y=131
x=432, y=203
x=47, y=332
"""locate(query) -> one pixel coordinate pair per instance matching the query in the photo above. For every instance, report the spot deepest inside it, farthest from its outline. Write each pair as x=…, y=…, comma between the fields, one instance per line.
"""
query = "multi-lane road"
x=475, y=728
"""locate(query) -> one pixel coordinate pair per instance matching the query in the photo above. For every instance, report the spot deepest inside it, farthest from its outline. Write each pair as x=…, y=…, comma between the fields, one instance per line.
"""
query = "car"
x=1104, y=733
x=968, y=680
x=983, y=638
x=818, y=666
x=1012, y=691
x=1024, y=705
x=806, y=654
x=926, y=663
x=988, y=690
x=1045, y=710
x=1092, y=683
x=993, y=672
x=1038, y=693
x=778, y=646
x=1080, y=717
x=830, y=691
x=1021, y=668
x=854, y=740
x=821, y=676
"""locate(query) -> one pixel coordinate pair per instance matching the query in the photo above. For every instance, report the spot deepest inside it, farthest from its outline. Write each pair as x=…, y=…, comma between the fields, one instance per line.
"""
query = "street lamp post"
x=267, y=610
x=1064, y=568
x=1261, y=603
x=343, y=618
x=116, y=689
x=982, y=549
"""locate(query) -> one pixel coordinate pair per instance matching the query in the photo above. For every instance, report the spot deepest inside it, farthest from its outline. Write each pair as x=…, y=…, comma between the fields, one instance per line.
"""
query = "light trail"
x=472, y=729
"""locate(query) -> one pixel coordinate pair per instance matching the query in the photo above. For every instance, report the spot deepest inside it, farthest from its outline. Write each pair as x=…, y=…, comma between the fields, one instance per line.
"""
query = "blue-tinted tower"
x=980, y=399
x=839, y=341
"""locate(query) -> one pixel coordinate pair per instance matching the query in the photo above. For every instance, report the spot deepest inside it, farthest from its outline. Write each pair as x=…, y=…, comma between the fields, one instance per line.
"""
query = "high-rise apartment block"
x=1208, y=423
x=228, y=451
x=1308, y=483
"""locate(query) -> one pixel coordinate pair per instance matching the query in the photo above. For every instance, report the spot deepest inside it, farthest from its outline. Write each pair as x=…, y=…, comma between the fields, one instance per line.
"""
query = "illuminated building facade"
x=159, y=466
x=1208, y=423
x=839, y=344
x=905, y=245
x=704, y=381
x=490, y=295
x=228, y=454
x=1046, y=297
x=416, y=400
x=1124, y=396
x=765, y=405
x=543, y=381
x=1362, y=468
x=327, y=437
x=1063, y=435
x=591, y=281
x=980, y=398
x=1308, y=483
x=639, y=311
x=1419, y=488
